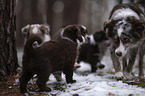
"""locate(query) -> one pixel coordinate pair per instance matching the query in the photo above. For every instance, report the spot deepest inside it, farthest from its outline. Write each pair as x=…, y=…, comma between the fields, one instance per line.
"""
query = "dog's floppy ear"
x=138, y=30
x=45, y=29
x=78, y=33
x=25, y=31
x=108, y=28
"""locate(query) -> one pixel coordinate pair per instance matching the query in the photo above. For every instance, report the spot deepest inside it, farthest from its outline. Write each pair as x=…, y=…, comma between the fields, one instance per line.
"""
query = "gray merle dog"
x=125, y=29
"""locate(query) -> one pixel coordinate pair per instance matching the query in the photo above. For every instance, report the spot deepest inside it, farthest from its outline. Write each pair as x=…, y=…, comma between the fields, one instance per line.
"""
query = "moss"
x=136, y=81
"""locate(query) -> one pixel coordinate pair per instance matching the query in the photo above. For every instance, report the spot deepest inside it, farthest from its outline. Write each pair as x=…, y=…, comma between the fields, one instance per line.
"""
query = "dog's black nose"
x=119, y=54
x=101, y=66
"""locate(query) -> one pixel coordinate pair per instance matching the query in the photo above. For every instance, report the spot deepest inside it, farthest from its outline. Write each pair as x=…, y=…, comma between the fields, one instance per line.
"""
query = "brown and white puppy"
x=93, y=50
x=83, y=30
x=124, y=29
x=51, y=56
x=40, y=29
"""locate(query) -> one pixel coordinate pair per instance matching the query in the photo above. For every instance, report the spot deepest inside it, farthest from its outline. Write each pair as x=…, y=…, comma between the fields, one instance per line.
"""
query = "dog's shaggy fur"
x=51, y=56
x=124, y=29
x=93, y=50
x=141, y=43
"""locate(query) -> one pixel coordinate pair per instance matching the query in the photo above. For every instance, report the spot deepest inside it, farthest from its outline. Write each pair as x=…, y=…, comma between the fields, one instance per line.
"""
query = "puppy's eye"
x=115, y=30
x=25, y=30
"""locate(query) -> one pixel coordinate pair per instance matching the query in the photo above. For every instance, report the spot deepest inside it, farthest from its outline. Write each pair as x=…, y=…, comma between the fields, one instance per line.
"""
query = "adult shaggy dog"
x=125, y=29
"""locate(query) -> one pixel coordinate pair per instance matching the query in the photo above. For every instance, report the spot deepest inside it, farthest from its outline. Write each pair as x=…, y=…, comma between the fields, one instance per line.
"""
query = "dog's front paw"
x=127, y=75
x=119, y=75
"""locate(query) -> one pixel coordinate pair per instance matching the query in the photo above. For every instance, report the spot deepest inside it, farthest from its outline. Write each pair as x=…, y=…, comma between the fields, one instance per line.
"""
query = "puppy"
x=124, y=29
x=58, y=35
x=93, y=50
x=51, y=56
x=40, y=29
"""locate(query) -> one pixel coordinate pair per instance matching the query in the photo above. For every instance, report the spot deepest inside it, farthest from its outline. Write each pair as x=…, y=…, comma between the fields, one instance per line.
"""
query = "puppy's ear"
x=138, y=30
x=108, y=28
x=25, y=31
x=78, y=33
x=45, y=29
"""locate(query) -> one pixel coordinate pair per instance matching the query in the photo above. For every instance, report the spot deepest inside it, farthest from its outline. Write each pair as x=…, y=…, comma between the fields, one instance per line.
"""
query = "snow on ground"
x=101, y=83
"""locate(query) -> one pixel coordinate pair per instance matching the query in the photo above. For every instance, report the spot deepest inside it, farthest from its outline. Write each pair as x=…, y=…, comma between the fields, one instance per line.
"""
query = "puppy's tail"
x=31, y=45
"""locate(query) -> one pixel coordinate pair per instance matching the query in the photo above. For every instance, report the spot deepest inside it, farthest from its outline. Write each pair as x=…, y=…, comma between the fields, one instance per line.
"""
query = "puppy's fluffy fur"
x=93, y=50
x=124, y=29
x=51, y=56
x=42, y=30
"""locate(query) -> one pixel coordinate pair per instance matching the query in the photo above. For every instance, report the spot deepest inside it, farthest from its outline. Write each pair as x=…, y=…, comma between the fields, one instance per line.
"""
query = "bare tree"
x=8, y=53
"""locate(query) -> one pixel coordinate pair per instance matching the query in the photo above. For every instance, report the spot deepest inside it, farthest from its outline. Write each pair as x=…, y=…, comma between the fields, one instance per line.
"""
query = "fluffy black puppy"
x=93, y=51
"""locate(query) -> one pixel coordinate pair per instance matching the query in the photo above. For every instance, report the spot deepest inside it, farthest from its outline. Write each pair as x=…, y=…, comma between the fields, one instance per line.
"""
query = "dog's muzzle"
x=119, y=54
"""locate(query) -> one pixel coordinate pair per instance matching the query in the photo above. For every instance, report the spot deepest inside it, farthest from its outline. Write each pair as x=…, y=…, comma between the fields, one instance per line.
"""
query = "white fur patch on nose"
x=92, y=40
x=121, y=49
x=120, y=30
x=35, y=30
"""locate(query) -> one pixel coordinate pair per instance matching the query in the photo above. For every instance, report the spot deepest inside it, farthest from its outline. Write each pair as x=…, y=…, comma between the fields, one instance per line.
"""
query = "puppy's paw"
x=119, y=75
x=23, y=91
x=46, y=89
x=72, y=81
x=76, y=65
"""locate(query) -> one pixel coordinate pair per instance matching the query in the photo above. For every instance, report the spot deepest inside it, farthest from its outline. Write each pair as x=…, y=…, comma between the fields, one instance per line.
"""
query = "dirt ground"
x=8, y=86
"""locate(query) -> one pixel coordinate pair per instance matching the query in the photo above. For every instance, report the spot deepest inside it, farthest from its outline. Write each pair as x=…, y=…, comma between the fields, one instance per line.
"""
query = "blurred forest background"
x=57, y=13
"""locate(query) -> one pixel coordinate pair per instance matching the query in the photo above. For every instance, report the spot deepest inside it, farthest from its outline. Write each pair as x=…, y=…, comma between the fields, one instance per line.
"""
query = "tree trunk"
x=71, y=11
x=8, y=53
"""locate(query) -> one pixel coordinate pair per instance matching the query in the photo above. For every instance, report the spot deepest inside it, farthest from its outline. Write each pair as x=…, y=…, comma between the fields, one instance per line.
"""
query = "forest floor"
x=88, y=84
x=101, y=83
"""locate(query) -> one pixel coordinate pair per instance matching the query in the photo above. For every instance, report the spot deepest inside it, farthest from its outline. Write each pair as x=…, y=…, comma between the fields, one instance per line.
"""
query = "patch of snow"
x=101, y=83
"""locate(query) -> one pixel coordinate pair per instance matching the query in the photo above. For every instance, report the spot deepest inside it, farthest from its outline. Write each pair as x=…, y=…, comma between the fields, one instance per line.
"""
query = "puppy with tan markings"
x=51, y=56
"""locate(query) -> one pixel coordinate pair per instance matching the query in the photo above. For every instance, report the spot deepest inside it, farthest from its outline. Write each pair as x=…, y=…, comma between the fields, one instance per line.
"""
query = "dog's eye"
x=116, y=39
x=125, y=40
x=115, y=30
